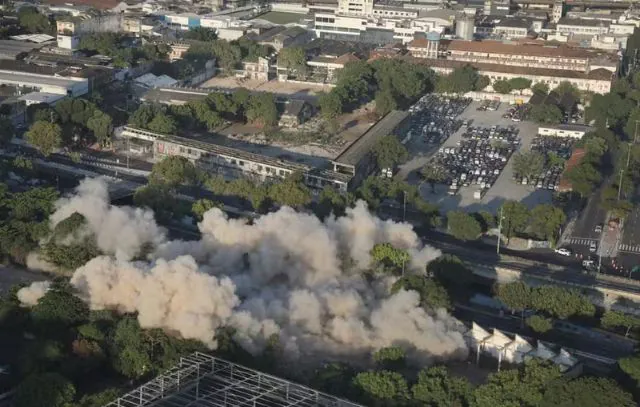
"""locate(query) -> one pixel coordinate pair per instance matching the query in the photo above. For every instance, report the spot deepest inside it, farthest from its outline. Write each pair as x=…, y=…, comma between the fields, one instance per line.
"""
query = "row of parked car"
x=491, y=105
x=516, y=113
x=433, y=118
x=555, y=151
x=479, y=158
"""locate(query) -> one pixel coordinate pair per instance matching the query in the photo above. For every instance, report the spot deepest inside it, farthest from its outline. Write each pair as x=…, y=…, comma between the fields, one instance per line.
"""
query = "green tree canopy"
x=432, y=295
x=516, y=295
x=59, y=306
x=434, y=173
x=201, y=34
x=561, y=302
x=45, y=390
x=631, y=366
x=382, y=387
x=331, y=105
x=173, y=171
x=502, y=86
x=389, y=257
x=290, y=191
x=463, y=226
x=520, y=83
x=546, y=220
x=515, y=218
x=294, y=59
x=616, y=319
x=586, y=392
x=528, y=164
x=163, y=123
x=539, y=323
x=436, y=388
x=391, y=357
x=33, y=21
x=201, y=206
x=262, y=109
x=389, y=152
x=541, y=88
x=45, y=136
x=546, y=113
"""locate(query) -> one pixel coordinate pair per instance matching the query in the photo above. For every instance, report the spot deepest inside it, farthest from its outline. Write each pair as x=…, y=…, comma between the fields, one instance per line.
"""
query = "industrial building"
x=232, y=162
x=356, y=160
x=15, y=50
x=201, y=380
x=45, y=82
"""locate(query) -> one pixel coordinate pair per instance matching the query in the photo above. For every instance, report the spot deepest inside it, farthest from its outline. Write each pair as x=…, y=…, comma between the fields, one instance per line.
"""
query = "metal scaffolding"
x=201, y=380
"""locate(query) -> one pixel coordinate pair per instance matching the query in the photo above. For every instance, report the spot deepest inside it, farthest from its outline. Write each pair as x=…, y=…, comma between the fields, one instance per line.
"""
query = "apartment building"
x=70, y=29
x=582, y=26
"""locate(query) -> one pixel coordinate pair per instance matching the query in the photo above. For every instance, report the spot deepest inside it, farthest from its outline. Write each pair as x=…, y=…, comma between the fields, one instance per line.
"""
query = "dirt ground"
x=297, y=90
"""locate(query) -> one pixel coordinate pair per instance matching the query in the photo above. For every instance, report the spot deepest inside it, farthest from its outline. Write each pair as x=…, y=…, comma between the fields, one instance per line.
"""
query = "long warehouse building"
x=233, y=162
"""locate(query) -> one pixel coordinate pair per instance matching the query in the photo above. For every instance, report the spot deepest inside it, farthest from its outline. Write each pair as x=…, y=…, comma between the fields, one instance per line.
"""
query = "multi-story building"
x=529, y=55
x=71, y=28
x=582, y=26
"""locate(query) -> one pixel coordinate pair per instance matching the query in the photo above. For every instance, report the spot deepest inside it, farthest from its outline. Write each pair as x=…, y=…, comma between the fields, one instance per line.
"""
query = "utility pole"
x=499, y=232
x=404, y=210
x=128, y=151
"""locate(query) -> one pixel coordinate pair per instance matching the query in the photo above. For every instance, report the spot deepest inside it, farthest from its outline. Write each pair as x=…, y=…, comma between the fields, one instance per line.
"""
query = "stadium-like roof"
x=201, y=380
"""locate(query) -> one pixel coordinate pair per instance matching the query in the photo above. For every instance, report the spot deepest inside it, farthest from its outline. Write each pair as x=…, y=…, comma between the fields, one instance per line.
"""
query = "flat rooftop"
x=353, y=154
x=13, y=48
x=17, y=77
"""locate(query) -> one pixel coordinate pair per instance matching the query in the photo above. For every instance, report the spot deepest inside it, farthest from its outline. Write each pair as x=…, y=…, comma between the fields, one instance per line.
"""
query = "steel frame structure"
x=201, y=380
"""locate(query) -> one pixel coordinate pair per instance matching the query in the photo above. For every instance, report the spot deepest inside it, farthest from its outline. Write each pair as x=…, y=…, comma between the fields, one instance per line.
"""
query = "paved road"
x=12, y=275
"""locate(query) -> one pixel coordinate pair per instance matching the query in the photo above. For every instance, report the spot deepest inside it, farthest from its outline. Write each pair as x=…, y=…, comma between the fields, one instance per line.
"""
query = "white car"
x=598, y=229
x=563, y=251
x=593, y=246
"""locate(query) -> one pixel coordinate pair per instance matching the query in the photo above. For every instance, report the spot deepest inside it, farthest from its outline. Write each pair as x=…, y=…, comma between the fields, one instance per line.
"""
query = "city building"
x=15, y=50
x=232, y=162
x=26, y=78
x=576, y=131
x=529, y=55
x=70, y=28
x=296, y=112
x=357, y=160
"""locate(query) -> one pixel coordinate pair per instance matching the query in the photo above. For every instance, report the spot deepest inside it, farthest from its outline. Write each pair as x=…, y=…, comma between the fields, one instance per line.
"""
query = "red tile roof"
x=98, y=4
x=576, y=157
x=499, y=47
x=346, y=58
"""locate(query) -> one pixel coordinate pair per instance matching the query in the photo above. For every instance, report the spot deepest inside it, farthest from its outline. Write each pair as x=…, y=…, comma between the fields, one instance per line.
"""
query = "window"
x=260, y=168
x=268, y=169
x=189, y=151
x=233, y=162
x=182, y=150
x=282, y=173
x=241, y=163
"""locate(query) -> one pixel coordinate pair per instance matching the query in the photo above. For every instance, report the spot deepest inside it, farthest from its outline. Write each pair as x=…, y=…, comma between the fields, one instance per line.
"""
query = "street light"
x=499, y=232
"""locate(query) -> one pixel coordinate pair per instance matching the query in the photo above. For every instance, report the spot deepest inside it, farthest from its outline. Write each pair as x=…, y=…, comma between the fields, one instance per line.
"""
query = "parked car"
x=598, y=229
x=563, y=251
x=593, y=246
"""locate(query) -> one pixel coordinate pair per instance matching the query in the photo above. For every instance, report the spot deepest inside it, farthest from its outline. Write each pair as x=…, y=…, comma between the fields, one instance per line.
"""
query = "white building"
x=59, y=85
x=564, y=130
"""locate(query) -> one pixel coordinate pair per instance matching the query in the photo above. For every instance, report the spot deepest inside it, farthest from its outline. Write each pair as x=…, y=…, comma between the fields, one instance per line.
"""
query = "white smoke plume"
x=287, y=274
x=30, y=295
x=119, y=231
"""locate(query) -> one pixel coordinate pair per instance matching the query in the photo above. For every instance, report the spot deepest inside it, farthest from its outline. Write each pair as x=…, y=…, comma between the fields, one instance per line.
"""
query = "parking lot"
x=503, y=187
x=554, y=150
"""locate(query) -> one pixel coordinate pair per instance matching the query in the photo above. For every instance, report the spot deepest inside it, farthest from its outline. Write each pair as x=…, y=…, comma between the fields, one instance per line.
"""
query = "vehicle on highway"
x=563, y=251
x=598, y=229
x=593, y=246
x=588, y=264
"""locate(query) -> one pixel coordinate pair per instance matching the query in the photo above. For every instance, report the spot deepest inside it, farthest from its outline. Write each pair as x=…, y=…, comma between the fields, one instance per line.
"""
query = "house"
x=295, y=113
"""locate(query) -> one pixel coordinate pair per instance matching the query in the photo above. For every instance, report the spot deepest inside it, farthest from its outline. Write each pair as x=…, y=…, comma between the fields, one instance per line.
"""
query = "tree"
x=331, y=105
x=143, y=116
x=262, y=109
x=389, y=258
x=586, y=392
x=99, y=399
x=434, y=174
x=616, y=319
x=72, y=255
x=433, y=296
x=608, y=110
x=130, y=357
x=515, y=217
x=382, y=387
x=201, y=206
x=482, y=82
x=522, y=387
x=201, y=34
x=7, y=131
x=502, y=86
x=389, y=152
x=44, y=390
x=163, y=123
x=584, y=177
x=520, y=83
x=291, y=191
x=33, y=21
x=561, y=302
x=463, y=226
x=546, y=221
x=566, y=87
x=528, y=164
x=436, y=388
x=631, y=366
x=59, y=306
x=331, y=200
x=45, y=136
x=391, y=357
x=293, y=59
x=334, y=377
x=173, y=171
x=385, y=102
x=516, y=295
x=101, y=125
x=461, y=80
x=450, y=271
x=539, y=324
x=540, y=88
x=546, y=113
x=157, y=197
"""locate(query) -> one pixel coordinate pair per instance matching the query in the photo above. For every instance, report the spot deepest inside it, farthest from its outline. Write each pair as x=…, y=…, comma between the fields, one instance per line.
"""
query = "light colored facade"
x=68, y=85
x=582, y=27
x=355, y=7
x=564, y=130
x=69, y=30
x=528, y=55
